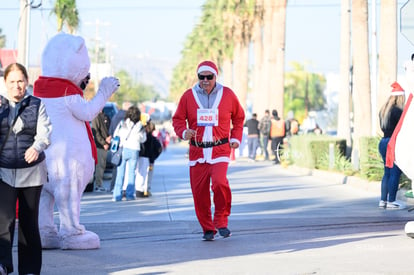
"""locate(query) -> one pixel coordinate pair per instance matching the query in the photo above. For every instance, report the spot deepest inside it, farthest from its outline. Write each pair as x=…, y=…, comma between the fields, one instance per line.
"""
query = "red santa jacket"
x=230, y=125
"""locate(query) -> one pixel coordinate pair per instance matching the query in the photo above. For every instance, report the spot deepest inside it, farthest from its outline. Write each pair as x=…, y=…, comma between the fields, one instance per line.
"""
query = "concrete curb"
x=352, y=181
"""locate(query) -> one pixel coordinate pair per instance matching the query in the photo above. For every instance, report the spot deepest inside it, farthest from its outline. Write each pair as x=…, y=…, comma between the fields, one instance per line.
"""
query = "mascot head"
x=66, y=56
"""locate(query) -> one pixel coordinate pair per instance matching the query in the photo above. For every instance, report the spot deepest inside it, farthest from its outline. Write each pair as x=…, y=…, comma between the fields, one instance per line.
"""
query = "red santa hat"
x=208, y=66
x=397, y=89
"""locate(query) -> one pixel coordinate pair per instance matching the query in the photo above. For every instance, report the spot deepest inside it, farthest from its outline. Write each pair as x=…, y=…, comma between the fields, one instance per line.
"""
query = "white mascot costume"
x=401, y=141
x=72, y=154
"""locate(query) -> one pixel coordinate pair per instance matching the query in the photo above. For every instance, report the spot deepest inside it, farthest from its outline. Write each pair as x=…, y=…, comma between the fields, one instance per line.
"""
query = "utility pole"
x=95, y=64
x=24, y=25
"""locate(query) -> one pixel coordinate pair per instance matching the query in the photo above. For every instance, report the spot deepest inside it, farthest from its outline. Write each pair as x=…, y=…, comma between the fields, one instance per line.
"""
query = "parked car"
x=110, y=109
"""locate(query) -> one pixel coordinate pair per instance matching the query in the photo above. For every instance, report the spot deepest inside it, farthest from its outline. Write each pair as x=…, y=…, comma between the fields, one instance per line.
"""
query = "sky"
x=146, y=37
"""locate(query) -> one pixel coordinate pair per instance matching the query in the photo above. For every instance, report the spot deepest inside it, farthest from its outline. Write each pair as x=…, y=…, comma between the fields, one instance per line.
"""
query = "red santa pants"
x=200, y=176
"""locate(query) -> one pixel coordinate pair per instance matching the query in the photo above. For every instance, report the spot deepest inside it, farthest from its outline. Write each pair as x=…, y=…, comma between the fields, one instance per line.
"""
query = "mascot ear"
x=66, y=56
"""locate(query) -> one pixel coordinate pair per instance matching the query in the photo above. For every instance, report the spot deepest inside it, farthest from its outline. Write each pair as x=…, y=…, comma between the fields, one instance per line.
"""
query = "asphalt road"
x=283, y=221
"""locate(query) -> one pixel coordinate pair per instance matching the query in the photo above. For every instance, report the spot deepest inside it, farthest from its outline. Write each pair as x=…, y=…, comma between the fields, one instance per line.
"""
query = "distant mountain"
x=147, y=70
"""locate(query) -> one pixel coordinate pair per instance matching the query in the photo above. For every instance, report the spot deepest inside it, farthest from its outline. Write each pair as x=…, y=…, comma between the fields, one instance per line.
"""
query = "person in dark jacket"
x=150, y=151
x=102, y=140
x=389, y=116
x=25, y=130
x=252, y=136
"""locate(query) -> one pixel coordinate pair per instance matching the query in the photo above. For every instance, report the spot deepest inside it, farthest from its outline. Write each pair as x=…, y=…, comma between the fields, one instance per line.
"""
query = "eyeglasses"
x=209, y=76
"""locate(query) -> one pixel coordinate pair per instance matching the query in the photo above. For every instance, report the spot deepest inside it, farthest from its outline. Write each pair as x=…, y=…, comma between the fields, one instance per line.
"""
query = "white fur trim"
x=208, y=69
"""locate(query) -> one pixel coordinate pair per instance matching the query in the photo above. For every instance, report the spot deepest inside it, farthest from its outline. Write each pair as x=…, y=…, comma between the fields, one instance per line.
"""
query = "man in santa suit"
x=204, y=116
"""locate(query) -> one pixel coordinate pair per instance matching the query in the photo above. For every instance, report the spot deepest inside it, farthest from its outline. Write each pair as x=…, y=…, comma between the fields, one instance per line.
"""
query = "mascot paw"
x=87, y=240
x=50, y=239
x=109, y=85
x=409, y=229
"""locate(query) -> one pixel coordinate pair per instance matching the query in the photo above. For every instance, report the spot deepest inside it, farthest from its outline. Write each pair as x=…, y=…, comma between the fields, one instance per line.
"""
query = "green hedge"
x=311, y=150
x=371, y=164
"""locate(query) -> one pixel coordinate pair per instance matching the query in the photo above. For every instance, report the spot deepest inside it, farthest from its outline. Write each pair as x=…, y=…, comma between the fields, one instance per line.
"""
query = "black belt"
x=209, y=144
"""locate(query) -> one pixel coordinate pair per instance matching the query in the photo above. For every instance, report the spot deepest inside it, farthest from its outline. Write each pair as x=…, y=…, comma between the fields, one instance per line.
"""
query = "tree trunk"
x=388, y=52
x=258, y=100
x=227, y=72
x=277, y=65
x=240, y=68
x=361, y=76
x=267, y=77
x=344, y=108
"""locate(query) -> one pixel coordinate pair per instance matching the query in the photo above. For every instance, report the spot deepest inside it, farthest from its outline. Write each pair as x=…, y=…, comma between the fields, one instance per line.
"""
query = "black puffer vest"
x=12, y=155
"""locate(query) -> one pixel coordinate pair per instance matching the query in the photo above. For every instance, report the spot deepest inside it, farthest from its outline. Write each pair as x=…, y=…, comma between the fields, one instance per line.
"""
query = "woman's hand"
x=31, y=155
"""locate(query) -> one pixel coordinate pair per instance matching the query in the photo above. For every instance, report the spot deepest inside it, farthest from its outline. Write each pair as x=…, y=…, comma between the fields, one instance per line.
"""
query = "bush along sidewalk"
x=328, y=153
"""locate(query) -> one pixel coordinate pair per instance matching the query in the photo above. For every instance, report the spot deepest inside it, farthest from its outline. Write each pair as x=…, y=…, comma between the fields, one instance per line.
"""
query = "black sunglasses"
x=209, y=76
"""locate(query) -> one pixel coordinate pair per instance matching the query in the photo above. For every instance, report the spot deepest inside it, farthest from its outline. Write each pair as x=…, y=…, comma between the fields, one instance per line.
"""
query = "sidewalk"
x=283, y=221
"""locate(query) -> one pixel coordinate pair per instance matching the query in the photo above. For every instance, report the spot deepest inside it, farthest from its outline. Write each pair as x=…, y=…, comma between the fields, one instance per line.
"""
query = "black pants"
x=277, y=146
x=29, y=244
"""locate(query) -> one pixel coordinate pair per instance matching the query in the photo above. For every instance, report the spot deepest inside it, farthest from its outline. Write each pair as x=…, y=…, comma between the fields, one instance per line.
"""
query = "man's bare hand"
x=234, y=145
x=189, y=133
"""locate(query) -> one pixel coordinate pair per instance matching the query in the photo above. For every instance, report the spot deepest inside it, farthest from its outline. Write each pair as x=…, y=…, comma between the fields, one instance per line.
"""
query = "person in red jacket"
x=204, y=116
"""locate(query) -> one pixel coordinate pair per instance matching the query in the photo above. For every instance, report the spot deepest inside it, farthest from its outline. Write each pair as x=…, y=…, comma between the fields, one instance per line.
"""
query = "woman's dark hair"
x=15, y=67
x=133, y=113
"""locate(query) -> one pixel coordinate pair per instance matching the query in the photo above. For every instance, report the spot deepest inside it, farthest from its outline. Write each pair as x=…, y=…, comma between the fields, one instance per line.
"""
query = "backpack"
x=265, y=127
x=277, y=128
x=294, y=126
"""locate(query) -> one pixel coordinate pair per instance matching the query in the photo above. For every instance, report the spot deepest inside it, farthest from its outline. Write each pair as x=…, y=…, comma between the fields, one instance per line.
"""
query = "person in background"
x=292, y=125
x=120, y=115
x=150, y=151
x=164, y=138
x=102, y=141
x=264, y=127
x=252, y=136
x=131, y=134
x=309, y=123
x=277, y=134
x=23, y=171
x=389, y=115
x=204, y=115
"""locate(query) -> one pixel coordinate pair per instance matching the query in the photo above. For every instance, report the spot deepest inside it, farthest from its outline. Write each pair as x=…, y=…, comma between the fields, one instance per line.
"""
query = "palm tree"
x=67, y=14
x=388, y=51
x=259, y=101
x=267, y=76
x=277, y=65
x=274, y=20
x=344, y=107
x=241, y=24
x=361, y=76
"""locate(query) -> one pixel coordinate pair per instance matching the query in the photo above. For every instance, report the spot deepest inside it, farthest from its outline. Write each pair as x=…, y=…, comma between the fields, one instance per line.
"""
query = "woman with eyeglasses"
x=204, y=116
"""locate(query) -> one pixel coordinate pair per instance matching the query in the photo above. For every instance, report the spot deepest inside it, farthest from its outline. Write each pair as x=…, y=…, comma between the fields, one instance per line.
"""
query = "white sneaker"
x=395, y=205
x=382, y=204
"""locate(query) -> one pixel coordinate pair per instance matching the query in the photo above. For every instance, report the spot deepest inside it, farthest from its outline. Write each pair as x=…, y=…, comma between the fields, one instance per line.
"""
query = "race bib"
x=207, y=117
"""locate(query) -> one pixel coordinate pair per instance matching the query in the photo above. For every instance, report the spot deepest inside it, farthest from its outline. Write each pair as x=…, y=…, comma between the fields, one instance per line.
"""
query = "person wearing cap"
x=204, y=116
x=389, y=116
